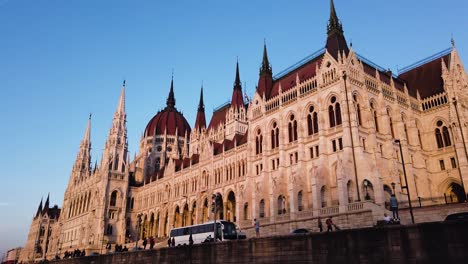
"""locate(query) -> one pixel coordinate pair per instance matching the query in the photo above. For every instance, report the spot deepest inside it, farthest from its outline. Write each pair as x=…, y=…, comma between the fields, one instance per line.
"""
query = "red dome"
x=169, y=119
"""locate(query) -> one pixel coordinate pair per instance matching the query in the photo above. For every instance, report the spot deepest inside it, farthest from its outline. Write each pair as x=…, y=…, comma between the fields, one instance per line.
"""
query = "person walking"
x=394, y=207
x=151, y=242
x=329, y=223
x=190, y=239
x=169, y=242
x=173, y=242
x=320, y=225
x=257, y=227
x=145, y=241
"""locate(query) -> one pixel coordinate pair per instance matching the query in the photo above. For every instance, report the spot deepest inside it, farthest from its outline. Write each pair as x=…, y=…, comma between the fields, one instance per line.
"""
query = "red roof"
x=169, y=119
x=426, y=78
x=288, y=81
x=219, y=117
x=237, y=100
x=200, y=122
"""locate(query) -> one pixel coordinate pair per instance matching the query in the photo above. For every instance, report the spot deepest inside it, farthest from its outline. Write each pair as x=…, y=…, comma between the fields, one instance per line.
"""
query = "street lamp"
x=366, y=184
x=138, y=230
x=406, y=181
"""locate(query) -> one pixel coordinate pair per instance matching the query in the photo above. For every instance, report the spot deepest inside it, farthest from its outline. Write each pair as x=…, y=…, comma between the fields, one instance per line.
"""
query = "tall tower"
x=114, y=177
x=82, y=167
x=336, y=42
x=236, y=118
x=199, y=131
x=265, y=81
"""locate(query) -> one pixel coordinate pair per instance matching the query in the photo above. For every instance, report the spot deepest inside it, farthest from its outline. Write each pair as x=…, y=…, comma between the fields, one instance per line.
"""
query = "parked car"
x=457, y=216
x=300, y=231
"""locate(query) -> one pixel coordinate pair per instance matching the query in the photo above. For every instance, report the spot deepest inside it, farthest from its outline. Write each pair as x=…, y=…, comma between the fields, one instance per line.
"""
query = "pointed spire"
x=237, y=100
x=237, y=83
x=266, y=68
x=334, y=24
x=200, y=122
x=87, y=134
x=46, y=205
x=39, y=209
x=121, y=105
x=336, y=41
x=170, y=102
x=452, y=40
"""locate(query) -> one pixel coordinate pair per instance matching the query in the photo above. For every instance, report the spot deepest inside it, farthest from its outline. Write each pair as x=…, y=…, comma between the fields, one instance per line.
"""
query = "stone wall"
x=423, y=243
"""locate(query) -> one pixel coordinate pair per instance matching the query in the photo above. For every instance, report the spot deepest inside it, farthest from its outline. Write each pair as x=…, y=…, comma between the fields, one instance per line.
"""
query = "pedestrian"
x=169, y=242
x=151, y=242
x=320, y=225
x=387, y=218
x=329, y=223
x=394, y=207
x=145, y=241
x=257, y=227
x=173, y=242
x=190, y=239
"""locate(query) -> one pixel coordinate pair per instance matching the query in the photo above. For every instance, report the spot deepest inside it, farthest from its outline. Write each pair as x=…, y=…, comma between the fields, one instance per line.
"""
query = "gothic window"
x=300, y=207
x=403, y=119
x=113, y=199
x=334, y=112
x=246, y=211
x=358, y=110
x=258, y=142
x=442, y=135
x=374, y=114
x=109, y=229
x=274, y=136
x=262, y=209
x=281, y=205
x=390, y=121
x=292, y=129
x=312, y=121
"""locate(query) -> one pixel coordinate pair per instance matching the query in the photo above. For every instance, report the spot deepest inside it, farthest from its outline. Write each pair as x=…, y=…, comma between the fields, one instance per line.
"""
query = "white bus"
x=204, y=232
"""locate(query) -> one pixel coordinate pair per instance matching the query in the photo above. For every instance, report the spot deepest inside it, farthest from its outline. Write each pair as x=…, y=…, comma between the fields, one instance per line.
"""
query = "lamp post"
x=138, y=230
x=406, y=181
x=366, y=184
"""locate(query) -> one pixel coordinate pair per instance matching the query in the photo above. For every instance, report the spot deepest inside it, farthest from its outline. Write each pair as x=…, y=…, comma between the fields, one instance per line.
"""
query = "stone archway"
x=185, y=216
x=151, y=225
x=205, y=211
x=231, y=207
x=455, y=193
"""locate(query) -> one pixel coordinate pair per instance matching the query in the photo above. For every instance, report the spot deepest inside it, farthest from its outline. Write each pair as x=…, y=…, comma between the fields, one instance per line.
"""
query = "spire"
x=46, y=205
x=170, y=102
x=266, y=68
x=39, y=209
x=83, y=159
x=336, y=41
x=121, y=105
x=87, y=135
x=237, y=100
x=237, y=83
x=200, y=122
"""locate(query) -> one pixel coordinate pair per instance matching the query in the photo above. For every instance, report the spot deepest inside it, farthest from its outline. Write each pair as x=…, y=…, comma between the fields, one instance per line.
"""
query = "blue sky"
x=61, y=60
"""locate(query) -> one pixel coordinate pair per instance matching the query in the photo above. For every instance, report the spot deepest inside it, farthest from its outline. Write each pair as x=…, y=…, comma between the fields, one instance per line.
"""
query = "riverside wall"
x=437, y=242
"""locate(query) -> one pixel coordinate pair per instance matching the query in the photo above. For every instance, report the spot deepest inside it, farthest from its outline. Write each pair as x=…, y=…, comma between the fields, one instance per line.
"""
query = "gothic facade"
x=332, y=135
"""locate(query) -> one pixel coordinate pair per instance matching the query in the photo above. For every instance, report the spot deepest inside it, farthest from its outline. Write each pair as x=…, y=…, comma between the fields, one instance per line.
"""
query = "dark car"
x=300, y=231
x=457, y=216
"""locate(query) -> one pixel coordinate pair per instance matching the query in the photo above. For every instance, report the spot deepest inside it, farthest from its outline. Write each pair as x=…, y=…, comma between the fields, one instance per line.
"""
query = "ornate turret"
x=170, y=102
x=116, y=147
x=82, y=165
x=336, y=42
x=200, y=122
x=265, y=81
x=46, y=205
x=237, y=99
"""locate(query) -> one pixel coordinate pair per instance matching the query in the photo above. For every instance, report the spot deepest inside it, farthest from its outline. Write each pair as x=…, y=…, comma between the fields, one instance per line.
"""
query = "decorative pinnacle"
x=266, y=68
x=170, y=102
x=237, y=83
x=334, y=25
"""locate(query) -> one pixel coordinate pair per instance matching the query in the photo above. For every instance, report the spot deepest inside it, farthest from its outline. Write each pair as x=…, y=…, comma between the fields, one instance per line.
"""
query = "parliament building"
x=333, y=135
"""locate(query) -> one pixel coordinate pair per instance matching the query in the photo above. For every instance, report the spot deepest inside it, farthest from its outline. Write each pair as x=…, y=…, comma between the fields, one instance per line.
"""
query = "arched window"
x=403, y=119
x=292, y=129
x=442, y=135
x=374, y=114
x=262, y=209
x=312, y=121
x=358, y=110
x=334, y=112
x=274, y=136
x=281, y=205
x=258, y=142
x=246, y=211
x=300, y=207
x=390, y=122
x=113, y=199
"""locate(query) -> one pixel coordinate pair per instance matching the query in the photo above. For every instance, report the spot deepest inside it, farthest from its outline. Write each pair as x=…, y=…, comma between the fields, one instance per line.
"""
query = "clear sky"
x=61, y=60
